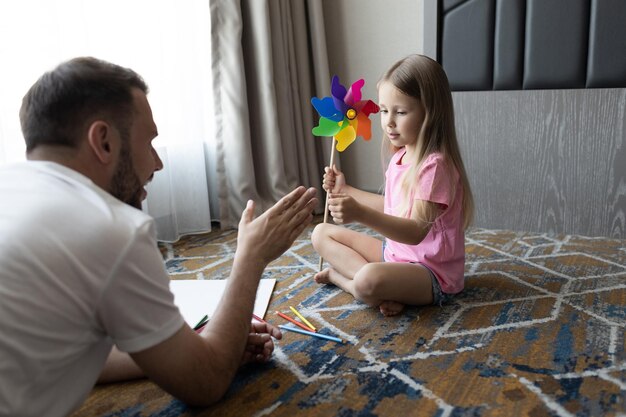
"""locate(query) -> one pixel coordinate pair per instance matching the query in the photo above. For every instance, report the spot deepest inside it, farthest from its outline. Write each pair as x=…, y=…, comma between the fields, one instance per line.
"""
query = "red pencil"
x=259, y=319
x=297, y=323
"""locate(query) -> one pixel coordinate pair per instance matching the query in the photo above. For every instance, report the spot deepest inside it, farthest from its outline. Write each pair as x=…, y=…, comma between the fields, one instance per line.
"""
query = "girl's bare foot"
x=323, y=277
x=332, y=276
x=391, y=308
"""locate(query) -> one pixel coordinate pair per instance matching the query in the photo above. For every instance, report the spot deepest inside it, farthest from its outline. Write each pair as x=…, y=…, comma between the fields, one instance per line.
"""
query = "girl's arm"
x=335, y=182
x=371, y=200
x=346, y=209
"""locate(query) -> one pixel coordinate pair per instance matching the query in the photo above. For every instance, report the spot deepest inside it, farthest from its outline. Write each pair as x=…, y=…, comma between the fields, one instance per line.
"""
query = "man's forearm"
x=198, y=370
x=230, y=326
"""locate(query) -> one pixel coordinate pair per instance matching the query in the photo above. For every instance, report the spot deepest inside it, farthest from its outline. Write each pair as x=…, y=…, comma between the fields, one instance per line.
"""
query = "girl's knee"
x=367, y=284
x=319, y=233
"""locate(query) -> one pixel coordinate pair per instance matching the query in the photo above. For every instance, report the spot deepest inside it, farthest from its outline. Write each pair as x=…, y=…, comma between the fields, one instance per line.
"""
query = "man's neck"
x=71, y=158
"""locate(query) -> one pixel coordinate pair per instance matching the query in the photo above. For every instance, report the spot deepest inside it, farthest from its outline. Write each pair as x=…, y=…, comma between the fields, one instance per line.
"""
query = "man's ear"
x=101, y=138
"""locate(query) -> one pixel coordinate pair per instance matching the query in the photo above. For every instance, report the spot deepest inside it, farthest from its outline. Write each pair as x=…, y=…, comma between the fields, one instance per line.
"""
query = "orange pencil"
x=297, y=323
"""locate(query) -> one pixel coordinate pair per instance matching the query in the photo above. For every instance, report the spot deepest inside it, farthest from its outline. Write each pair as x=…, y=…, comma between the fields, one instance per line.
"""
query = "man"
x=82, y=281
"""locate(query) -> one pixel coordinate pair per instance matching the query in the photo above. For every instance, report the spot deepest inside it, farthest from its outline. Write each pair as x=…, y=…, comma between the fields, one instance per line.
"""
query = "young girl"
x=425, y=209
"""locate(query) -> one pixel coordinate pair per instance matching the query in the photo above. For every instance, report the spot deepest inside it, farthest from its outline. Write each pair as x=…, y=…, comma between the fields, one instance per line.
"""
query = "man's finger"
x=287, y=201
x=305, y=199
x=248, y=213
x=258, y=339
x=300, y=216
x=302, y=205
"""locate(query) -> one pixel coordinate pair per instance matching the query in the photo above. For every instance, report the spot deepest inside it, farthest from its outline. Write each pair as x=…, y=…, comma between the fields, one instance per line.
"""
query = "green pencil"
x=201, y=322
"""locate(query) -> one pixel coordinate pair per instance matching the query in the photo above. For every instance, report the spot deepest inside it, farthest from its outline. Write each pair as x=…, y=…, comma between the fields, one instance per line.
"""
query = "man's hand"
x=268, y=236
x=260, y=346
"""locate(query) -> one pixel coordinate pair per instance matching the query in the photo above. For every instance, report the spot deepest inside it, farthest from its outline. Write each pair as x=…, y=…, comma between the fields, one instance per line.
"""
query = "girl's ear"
x=99, y=138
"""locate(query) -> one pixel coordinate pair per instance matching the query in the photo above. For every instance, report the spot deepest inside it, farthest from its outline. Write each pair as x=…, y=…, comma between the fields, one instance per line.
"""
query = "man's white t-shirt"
x=80, y=271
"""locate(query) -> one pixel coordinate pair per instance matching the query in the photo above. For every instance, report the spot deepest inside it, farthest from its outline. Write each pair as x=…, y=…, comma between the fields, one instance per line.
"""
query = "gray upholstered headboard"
x=533, y=44
x=539, y=90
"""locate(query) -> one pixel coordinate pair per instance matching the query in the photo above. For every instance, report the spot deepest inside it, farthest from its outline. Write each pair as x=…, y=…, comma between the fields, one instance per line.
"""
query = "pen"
x=297, y=313
x=321, y=336
x=289, y=319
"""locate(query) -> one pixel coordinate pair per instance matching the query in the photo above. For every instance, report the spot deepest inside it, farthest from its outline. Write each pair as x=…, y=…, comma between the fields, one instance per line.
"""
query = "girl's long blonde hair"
x=425, y=80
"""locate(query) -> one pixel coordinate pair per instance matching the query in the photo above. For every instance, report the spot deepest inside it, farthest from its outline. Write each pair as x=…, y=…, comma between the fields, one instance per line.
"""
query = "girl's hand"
x=334, y=180
x=343, y=208
x=260, y=346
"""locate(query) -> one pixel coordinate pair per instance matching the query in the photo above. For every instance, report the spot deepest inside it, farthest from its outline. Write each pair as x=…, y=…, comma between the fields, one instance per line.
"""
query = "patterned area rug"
x=538, y=331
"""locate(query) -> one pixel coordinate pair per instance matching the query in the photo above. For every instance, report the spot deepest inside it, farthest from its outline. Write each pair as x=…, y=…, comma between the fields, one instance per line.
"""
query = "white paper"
x=199, y=297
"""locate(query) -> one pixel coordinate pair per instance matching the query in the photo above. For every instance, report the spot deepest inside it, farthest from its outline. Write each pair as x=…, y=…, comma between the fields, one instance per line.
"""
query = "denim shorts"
x=439, y=297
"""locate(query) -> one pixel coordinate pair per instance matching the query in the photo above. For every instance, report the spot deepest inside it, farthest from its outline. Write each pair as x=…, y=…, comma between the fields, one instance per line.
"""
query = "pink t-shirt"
x=443, y=248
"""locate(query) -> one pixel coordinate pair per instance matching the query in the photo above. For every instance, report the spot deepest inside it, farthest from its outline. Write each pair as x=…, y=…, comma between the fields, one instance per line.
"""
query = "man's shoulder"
x=56, y=197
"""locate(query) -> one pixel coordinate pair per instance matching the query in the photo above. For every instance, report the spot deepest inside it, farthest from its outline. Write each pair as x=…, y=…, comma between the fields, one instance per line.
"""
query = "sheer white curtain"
x=168, y=42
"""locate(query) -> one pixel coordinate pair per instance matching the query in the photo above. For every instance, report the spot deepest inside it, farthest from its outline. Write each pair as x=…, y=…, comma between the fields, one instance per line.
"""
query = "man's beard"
x=125, y=184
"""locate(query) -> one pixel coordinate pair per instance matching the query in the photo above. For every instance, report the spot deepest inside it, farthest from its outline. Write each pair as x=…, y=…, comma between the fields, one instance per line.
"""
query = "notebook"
x=198, y=297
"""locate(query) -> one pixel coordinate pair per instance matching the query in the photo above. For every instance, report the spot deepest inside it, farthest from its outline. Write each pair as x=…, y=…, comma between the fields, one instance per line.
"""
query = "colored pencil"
x=297, y=313
x=259, y=319
x=199, y=329
x=202, y=322
x=321, y=336
x=297, y=323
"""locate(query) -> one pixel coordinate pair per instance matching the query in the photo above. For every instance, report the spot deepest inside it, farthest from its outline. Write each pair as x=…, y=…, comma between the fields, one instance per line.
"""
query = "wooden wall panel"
x=547, y=160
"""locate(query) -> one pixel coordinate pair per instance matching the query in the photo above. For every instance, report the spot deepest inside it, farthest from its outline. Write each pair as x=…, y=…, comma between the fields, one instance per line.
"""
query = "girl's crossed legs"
x=359, y=269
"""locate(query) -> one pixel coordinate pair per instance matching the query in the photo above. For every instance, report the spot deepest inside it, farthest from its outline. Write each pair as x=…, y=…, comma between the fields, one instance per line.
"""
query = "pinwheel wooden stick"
x=332, y=162
x=344, y=116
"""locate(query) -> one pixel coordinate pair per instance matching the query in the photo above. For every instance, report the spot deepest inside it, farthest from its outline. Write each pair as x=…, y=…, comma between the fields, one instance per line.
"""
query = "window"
x=167, y=42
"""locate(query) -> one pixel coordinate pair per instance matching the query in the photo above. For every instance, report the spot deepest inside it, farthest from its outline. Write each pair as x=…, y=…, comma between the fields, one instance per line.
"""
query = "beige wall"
x=531, y=156
x=364, y=37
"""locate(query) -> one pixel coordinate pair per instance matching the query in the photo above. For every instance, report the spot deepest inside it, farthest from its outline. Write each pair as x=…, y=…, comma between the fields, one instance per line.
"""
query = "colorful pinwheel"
x=344, y=115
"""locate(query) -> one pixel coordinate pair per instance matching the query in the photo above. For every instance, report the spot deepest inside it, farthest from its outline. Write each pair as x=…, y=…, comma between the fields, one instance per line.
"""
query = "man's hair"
x=58, y=108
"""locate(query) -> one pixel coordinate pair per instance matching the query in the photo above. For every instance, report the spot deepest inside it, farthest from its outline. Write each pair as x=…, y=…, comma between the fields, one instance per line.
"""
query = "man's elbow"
x=203, y=397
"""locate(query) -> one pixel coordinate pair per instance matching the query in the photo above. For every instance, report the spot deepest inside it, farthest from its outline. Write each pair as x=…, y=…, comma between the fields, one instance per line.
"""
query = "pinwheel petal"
x=366, y=107
x=345, y=137
x=338, y=92
x=354, y=93
x=363, y=126
x=354, y=123
x=326, y=108
x=344, y=115
x=327, y=127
